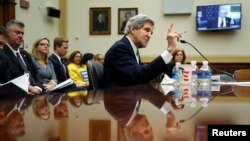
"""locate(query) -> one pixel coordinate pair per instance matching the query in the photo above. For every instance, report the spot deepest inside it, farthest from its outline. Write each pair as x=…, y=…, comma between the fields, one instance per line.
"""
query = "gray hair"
x=12, y=23
x=137, y=22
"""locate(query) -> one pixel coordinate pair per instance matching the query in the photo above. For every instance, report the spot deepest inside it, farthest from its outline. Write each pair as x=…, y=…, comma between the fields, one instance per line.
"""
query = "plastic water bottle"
x=204, y=74
x=176, y=75
x=195, y=69
x=176, y=93
x=204, y=94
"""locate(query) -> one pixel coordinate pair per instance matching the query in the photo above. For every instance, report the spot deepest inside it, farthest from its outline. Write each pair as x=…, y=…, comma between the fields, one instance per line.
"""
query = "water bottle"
x=204, y=93
x=176, y=73
x=204, y=74
x=176, y=93
x=195, y=69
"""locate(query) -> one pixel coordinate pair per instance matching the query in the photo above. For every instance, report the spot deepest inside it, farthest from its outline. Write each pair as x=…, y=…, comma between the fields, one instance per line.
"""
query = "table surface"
x=109, y=115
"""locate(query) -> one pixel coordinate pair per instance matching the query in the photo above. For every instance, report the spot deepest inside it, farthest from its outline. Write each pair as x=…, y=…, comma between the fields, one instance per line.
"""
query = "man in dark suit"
x=127, y=16
x=19, y=61
x=122, y=66
x=222, y=20
x=100, y=23
x=60, y=67
x=123, y=105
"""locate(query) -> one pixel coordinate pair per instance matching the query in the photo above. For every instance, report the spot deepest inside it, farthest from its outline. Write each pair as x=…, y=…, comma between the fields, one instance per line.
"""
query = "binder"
x=15, y=87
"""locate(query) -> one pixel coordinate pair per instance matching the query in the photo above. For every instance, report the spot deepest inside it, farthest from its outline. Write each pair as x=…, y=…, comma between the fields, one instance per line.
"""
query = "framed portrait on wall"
x=123, y=15
x=100, y=21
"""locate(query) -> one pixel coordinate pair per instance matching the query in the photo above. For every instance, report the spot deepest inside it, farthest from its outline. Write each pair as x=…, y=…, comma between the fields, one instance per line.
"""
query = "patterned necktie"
x=64, y=68
x=22, y=63
x=24, y=67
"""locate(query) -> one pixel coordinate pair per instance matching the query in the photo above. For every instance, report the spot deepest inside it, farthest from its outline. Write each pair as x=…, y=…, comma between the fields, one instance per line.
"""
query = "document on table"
x=22, y=82
x=63, y=84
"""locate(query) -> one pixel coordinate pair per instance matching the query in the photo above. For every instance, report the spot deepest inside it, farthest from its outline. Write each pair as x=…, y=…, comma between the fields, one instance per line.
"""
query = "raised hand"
x=172, y=38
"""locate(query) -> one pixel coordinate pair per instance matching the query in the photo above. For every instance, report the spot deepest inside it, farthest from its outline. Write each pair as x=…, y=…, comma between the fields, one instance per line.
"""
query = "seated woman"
x=45, y=72
x=99, y=58
x=77, y=71
x=178, y=56
x=41, y=107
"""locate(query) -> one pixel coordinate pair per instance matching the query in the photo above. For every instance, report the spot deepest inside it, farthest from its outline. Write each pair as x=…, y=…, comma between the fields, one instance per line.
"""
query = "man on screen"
x=222, y=20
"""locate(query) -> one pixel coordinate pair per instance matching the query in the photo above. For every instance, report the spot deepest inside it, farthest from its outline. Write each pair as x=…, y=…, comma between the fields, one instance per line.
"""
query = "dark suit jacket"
x=120, y=102
x=15, y=68
x=60, y=76
x=99, y=26
x=169, y=69
x=4, y=68
x=122, y=69
x=213, y=23
x=123, y=25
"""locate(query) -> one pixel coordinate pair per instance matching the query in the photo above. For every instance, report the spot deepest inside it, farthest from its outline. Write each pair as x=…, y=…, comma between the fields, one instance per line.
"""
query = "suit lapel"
x=126, y=41
x=55, y=59
x=12, y=56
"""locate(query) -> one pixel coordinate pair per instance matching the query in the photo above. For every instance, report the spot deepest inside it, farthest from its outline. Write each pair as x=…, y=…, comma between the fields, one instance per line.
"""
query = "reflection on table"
x=145, y=112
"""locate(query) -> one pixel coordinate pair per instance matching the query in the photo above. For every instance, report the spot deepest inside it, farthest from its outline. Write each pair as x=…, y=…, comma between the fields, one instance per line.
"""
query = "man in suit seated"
x=122, y=65
x=19, y=61
x=123, y=105
x=60, y=50
x=201, y=20
x=222, y=20
x=127, y=16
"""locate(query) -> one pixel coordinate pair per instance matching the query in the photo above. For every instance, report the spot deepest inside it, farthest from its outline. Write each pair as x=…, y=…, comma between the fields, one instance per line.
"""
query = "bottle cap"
x=177, y=63
x=205, y=62
x=193, y=62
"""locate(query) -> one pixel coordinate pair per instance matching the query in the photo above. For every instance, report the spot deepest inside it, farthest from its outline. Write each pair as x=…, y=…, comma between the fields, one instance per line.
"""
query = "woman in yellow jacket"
x=77, y=70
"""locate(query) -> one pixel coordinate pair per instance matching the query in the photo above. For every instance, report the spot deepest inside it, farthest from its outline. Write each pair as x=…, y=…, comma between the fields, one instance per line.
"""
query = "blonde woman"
x=41, y=107
x=99, y=58
x=45, y=71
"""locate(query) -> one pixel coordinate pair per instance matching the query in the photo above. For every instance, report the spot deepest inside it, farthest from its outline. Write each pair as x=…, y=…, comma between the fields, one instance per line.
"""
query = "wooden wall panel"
x=99, y=130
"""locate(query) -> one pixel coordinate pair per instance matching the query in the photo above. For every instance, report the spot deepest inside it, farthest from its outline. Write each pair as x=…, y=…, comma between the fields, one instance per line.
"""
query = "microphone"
x=194, y=114
x=185, y=42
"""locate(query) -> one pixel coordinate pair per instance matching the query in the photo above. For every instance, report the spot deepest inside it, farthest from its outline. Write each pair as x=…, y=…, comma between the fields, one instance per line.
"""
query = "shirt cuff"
x=166, y=107
x=166, y=56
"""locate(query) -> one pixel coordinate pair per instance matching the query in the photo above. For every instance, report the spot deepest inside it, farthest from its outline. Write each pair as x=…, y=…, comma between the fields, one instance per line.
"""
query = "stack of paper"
x=63, y=84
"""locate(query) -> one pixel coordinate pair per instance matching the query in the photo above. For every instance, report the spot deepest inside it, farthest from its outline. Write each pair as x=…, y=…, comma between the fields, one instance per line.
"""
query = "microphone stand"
x=193, y=115
x=185, y=42
x=184, y=120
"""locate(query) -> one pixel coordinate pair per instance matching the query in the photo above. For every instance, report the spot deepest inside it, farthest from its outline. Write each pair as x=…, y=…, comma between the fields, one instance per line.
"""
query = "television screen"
x=218, y=17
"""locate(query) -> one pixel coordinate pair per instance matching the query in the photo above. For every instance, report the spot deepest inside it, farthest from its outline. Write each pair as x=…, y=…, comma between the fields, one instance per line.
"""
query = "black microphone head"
x=183, y=41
